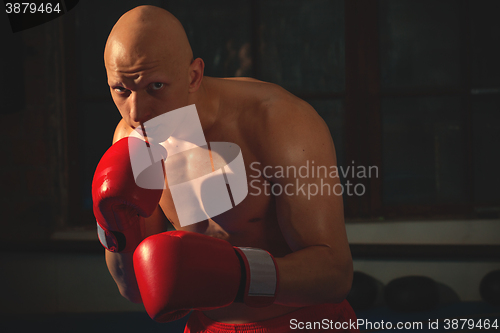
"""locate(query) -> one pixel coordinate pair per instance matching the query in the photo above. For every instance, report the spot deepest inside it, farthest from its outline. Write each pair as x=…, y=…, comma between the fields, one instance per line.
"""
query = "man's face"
x=144, y=87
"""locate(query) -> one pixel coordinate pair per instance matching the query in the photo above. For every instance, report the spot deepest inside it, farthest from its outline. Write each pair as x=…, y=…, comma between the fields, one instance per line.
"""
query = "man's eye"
x=157, y=85
x=119, y=89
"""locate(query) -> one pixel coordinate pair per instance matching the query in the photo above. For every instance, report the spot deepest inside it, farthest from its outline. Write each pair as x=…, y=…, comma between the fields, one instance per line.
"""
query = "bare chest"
x=250, y=221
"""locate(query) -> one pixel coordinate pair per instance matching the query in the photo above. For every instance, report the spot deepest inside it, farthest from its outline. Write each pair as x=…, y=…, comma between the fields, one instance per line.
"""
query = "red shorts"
x=316, y=318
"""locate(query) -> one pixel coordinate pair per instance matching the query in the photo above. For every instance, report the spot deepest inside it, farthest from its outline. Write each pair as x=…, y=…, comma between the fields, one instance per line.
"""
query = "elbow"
x=342, y=290
x=338, y=293
x=342, y=275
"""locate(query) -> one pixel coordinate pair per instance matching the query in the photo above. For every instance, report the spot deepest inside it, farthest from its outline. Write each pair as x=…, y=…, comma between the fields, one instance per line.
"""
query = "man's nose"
x=140, y=111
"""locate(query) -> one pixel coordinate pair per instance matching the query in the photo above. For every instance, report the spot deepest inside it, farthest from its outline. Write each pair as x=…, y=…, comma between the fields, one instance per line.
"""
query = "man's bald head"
x=144, y=36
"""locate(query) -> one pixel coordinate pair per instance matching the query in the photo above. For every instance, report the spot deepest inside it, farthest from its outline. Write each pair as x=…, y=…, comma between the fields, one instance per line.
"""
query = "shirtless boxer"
x=151, y=71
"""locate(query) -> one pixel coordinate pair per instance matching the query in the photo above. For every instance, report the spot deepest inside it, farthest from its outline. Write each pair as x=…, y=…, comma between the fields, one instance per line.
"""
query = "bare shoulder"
x=122, y=130
x=283, y=121
x=244, y=79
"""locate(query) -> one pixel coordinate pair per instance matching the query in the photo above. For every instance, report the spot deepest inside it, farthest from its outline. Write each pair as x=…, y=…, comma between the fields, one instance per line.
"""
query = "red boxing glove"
x=177, y=271
x=120, y=205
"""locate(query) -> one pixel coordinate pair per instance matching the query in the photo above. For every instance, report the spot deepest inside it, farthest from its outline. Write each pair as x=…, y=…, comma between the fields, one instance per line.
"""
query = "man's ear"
x=196, y=74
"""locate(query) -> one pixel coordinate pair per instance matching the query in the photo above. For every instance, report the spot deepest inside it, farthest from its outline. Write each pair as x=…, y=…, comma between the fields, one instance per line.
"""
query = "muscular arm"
x=120, y=265
x=320, y=268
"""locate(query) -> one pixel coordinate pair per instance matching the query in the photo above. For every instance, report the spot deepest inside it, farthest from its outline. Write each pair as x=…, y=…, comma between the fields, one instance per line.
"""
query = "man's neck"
x=207, y=104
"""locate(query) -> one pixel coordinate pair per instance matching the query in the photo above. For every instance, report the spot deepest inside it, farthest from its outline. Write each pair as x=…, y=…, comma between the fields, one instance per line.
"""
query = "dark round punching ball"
x=412, y=293
x=363, y=291
x=490, y=287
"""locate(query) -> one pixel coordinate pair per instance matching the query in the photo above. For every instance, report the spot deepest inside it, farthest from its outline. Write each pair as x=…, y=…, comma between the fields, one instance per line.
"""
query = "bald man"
x=151, y=71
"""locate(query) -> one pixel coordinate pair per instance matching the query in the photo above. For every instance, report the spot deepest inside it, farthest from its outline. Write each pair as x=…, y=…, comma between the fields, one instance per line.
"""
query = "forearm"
x=313, y=275
x=121, y=267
